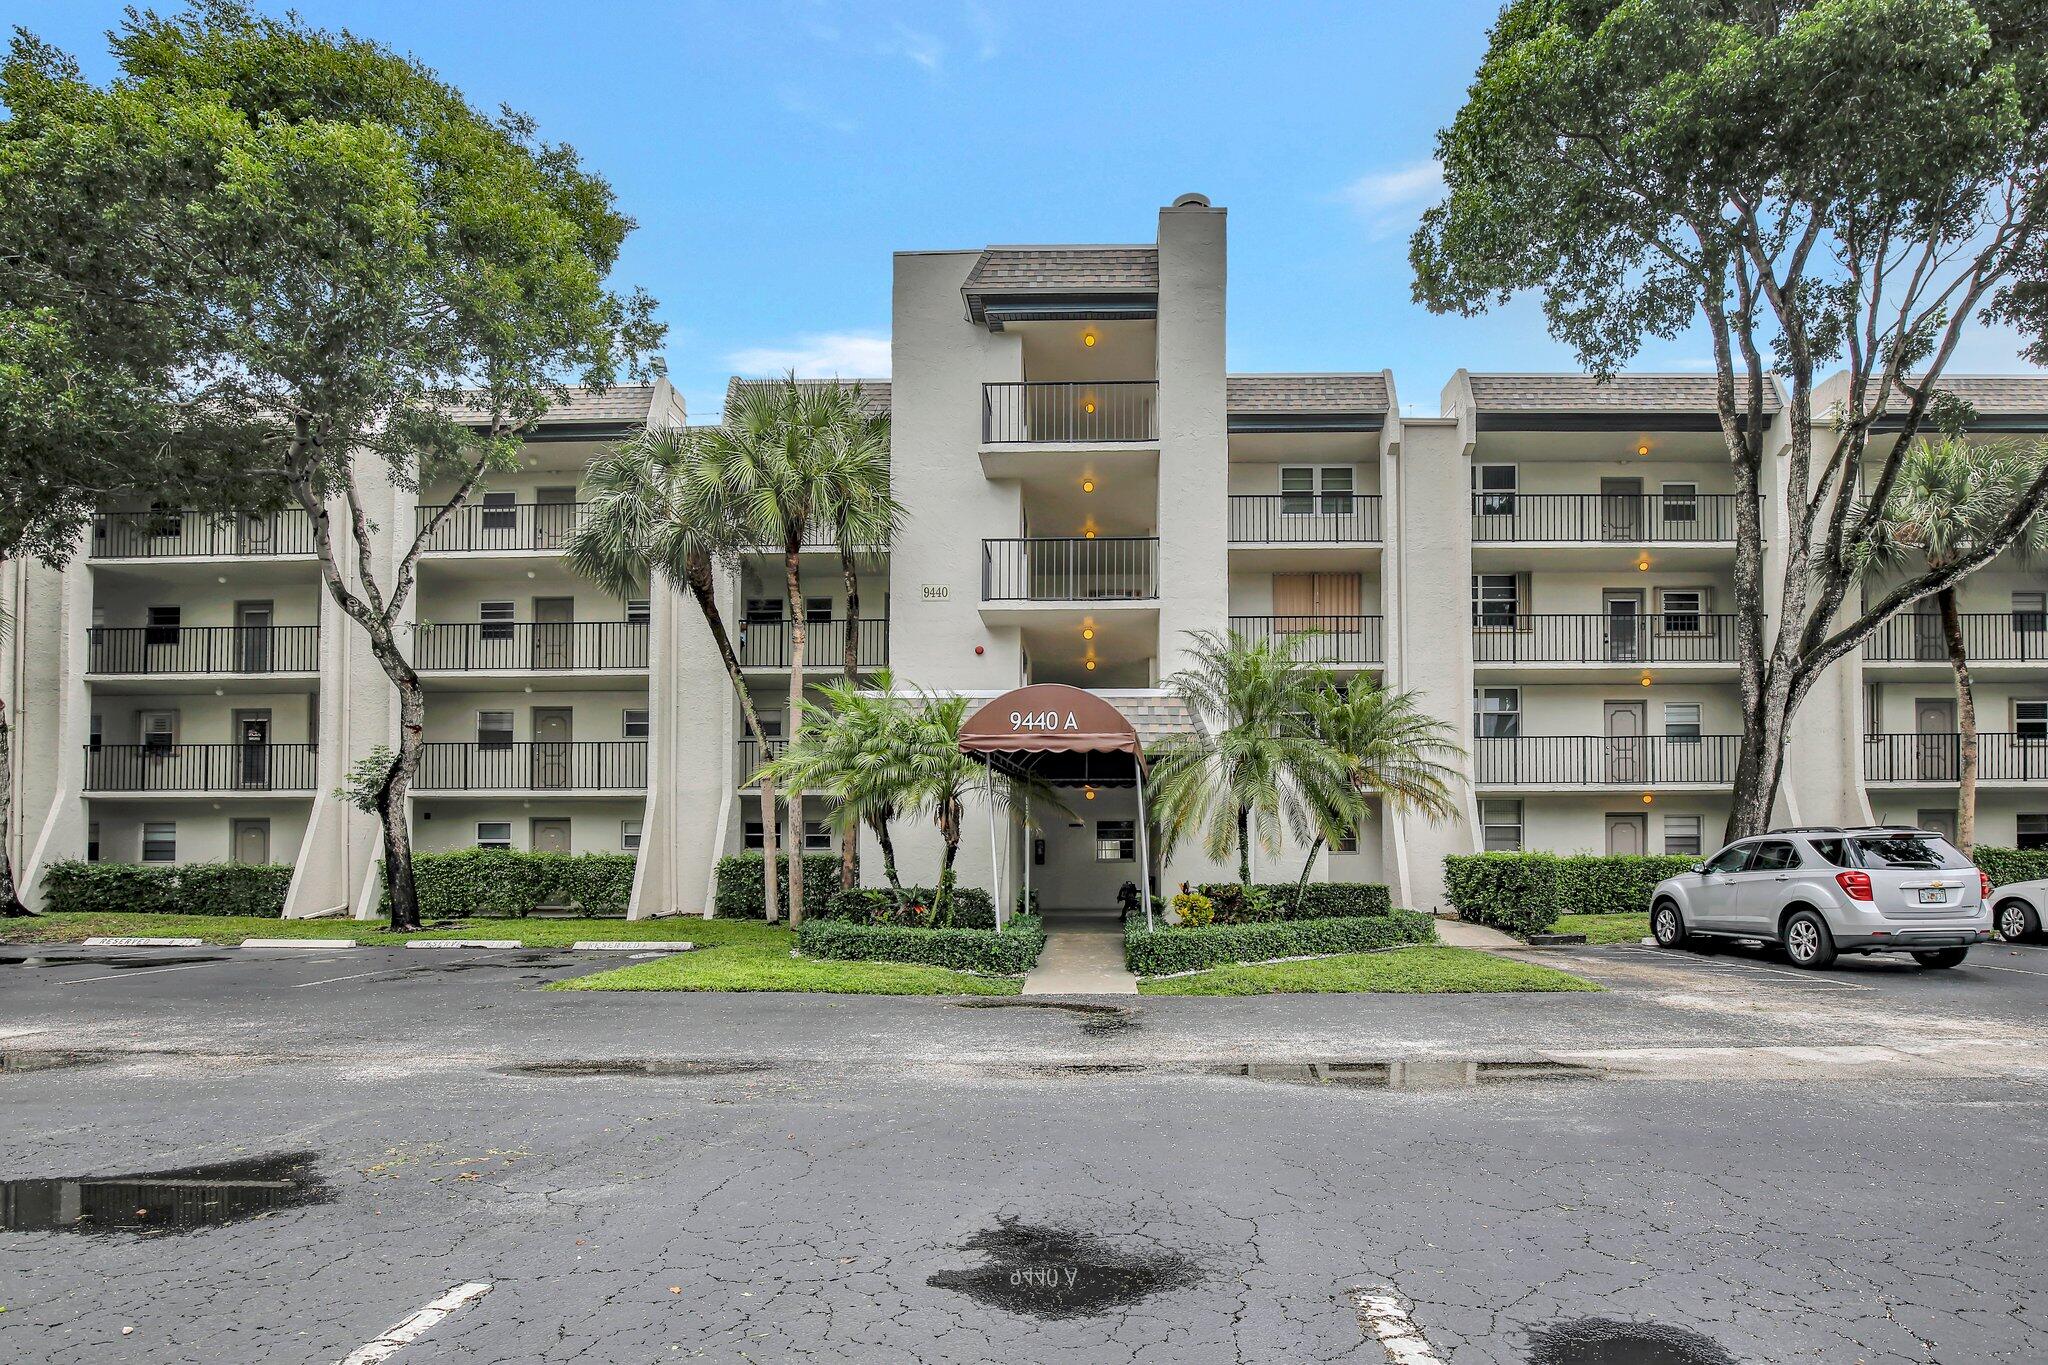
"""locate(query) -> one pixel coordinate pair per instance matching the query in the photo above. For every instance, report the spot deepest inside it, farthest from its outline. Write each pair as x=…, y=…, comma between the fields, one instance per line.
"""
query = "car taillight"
x=1856, y=884
x=1983, y=884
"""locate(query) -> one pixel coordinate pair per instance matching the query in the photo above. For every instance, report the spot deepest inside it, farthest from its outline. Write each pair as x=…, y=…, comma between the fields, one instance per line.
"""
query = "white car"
x=2019, y=909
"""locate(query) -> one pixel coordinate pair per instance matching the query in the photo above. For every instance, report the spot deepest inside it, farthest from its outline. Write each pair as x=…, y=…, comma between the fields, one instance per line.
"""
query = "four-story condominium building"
x=1547, y=562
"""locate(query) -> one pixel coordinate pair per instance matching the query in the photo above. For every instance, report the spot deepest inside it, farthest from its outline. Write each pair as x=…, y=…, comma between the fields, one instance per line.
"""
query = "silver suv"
x=1821, y=891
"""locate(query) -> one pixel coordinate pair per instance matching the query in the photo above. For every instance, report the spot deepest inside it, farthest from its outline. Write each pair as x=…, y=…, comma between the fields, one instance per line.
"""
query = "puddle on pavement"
x=155, y=1203
x=1050, y=1272
x=1608, y=1341
x=13, y=1062
x=634, y=1066
x=1422, y=1073
x=127, y=963
x=1097, y=1021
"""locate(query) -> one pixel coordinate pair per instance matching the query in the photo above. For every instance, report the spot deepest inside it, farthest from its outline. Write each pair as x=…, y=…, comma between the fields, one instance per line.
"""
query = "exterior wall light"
x=1087, y=793
x=1087, y=632
x=1087, y=485
x=1643, y=449
x=1647, y=798
x=1091, y=665
x=1087, y=338
x=1643, y=564
x=1646, y=680
x=1089, y=407
x=1088, y=535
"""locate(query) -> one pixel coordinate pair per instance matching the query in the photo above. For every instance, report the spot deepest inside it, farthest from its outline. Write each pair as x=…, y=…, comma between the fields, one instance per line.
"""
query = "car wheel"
x=2017, y=921
x=1667, y=925
x=1942, y=957
x=1808, y=942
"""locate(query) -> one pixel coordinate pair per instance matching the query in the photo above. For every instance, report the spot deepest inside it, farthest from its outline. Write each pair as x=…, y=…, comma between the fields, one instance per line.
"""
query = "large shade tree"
x=384, y=278
x=1843, y=183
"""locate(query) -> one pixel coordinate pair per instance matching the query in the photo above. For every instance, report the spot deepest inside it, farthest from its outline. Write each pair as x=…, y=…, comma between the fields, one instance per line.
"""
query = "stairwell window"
x=1682, y=835
x=495, y=620
x=1497, y=712
x=1116, y=841
x=494, y=834
x=1500, y=826
x=629, y=836
x=1682, y=722
x=634, y=722
x=160, y=841
x=1681, y=502
x=751, y=836
x=494, y=729
x=639, y=611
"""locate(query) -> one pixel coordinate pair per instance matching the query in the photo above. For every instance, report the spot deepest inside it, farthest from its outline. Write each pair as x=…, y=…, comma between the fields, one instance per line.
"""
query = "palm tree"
x=1950, y=498
x=855, y=748
x=1251, y=762
x=655, y=514
x=1389, y=750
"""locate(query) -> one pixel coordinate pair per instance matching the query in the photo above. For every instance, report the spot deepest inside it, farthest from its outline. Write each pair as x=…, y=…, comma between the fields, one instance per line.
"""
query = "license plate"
x=1932, y=895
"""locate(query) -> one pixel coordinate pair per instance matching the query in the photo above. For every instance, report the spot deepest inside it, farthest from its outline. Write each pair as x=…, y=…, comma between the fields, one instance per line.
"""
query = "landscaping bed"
x=1009, y=953
x=1408, y=971
x=734, y=955
x=1183, y=948
x=232, y=929
x=1528, y=893
x=1605, y=928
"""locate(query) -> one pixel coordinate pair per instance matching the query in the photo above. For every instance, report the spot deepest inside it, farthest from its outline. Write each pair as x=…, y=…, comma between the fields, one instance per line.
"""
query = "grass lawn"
x=1605, y=928
x=534, y=933
x=1405, y=970
x=744, y=955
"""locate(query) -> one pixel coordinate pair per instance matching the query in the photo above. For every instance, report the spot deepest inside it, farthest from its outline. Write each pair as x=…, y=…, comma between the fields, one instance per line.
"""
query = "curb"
x=609, y=945
x=298, y=943
x=129, y=941
x=464, y=943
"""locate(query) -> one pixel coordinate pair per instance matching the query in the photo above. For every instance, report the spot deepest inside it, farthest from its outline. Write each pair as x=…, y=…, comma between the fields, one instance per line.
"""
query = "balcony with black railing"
x=748, y=756
x=530, y=646
x=1304, y=519
x=2003, y=756
x=771, y=644
x=1596, y=638
x=1115, y=412
x=1989, y=637
x=1337, y=641
x=1605, y=761
x=511, y=528
x=167, y=533
x=535, y=765
x=1070, y=569
x=142, y=651
x=226, y=768
x=1603, y=518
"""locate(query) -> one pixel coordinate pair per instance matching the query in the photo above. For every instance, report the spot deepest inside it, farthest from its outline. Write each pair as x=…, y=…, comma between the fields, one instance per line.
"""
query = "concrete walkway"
x=1084, y=955
x=1458, y=933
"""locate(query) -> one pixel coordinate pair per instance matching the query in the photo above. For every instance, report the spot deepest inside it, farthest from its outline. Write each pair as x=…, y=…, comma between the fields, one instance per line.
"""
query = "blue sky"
x=775, y=152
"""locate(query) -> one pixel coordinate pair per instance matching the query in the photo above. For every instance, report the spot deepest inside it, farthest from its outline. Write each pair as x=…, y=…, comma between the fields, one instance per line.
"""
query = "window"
x=1496, y=597
x=1906, y=851
x=92, y=842
x=2033, y=832
x=751, y=836
x=629, y=836
x=1336, y=489
x=1347, y=842
x=817, y=837
x=2030, y=612
x=163, y=520
x=498, y=513
x=638, y=611
x=494, y=834
x=1493, y=489
x=1683, y=610
x=160, y=841
x=2030, y=721
x=635, y=722
x=817, y=610
x=1500, y=826
x=1682, y=835
x=1681, y=502
x=764, y=611
x=1497, y=712
x=163, y=626
x=159, y=728
x=1297, y=492
x=1682, y=722
x=1299, y=485
x=497, y=620
x=494, y=729
x=1116, y=841
x=1775, y=856
x=1731, y=859
x=1835, y=852
x=93, y=736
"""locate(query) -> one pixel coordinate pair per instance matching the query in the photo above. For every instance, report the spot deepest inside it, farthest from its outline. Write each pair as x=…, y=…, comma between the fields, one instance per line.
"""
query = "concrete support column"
x=51, y=711
x=1194, y=456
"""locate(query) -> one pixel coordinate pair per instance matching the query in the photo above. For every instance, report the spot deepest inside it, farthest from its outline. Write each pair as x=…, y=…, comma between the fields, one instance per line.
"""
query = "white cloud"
x=1388, y=201
x=922, y=49
x=987, y=28
x=820, y=355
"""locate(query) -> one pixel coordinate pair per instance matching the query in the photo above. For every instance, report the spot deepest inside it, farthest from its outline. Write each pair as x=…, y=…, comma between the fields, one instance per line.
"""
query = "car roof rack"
x=1808, y=829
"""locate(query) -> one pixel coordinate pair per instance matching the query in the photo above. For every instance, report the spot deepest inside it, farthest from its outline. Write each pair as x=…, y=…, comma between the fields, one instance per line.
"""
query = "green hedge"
x=973, y=908
x=1010, y=953
x=1168, y=950
x=1524, y=893
x=75, y=887
x=738, y=892
x=1318, y=900
x=502, y=881
x=2008, y=865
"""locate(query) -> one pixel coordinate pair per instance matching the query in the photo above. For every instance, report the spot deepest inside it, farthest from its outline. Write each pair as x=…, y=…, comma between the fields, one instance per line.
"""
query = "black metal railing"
x=1603, y=761
x=1320, y=639
x=476, y=646
x=1988, y=637
x=767, y=644
x=202, y=649
x=535, y=765
x=199, y=767
x=1305, y=518
x=1114, y=410
x=170, y=534
x=2002, y=756
x=1661, y=638
x=747, y=758
x=1626, y=518
x=1069, y=569
x=519, y=526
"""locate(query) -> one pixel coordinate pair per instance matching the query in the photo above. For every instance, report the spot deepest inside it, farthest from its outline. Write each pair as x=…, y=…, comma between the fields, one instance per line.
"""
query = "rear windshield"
x=1905, y=851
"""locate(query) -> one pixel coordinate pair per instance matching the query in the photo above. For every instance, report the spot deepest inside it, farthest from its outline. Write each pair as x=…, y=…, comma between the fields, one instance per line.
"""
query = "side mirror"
x=1697, y=869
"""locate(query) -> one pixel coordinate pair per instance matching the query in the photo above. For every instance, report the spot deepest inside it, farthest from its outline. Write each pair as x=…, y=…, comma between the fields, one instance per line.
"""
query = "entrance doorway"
x=1628, y=833
x=1621, y=509
x=548, y=835
x=553, y=629
x=553, y=737
x=252, y=638
x=252, y=733
x=1938, y=749
x=251, y=841
x=1626, y=723
x=1624, y=624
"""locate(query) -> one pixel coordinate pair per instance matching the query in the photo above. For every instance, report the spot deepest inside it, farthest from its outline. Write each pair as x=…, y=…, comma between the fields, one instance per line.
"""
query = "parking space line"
x=140, y=971
x=352, y=976
x=2020, y=971
x=1380, y=1313
x=1710, y=967
x=415, y=1325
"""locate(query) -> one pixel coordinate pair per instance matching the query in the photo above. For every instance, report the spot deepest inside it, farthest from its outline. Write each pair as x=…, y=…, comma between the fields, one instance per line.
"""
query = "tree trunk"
x=1244, y=845
x=1966, y=721
x=704, y=591
x=850, y=662
x=949, y=830
x=1301, y=886
x=10, y=897
x=880, y=825
x=793, y=841
x=391, y=811
x=1761, y=763
x=771, y=858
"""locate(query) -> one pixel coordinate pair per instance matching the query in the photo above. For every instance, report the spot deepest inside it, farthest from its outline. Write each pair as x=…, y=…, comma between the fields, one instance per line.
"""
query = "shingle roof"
x=1152, y=715
x=620, y=405
x=1320, y=393
x=874, y=392
x=1585, y=393
x=1072, y=269
x=1998, y=393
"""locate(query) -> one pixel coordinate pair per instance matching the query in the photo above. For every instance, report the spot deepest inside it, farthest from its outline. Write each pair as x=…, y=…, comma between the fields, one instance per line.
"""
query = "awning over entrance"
x=1061, y=735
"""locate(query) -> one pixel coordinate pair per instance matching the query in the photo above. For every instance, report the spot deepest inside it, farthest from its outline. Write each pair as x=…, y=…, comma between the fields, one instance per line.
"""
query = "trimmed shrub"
x=77, y=887
x=1010, y=953
x=1524, y=893
x=1236, y=903
x=737, y=894
x=1194, y=909
x=1318, y=900
x=973, y=908
x=501, y=881
x=2008, y=865
x=1165, y=951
